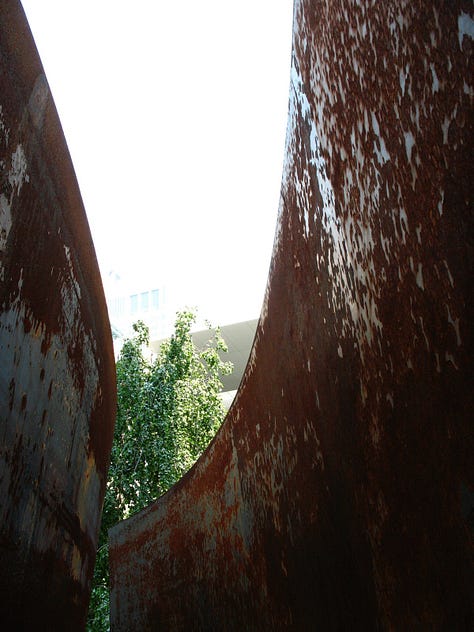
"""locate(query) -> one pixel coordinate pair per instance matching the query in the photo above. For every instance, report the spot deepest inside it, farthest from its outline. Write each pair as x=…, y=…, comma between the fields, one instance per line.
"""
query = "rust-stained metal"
x=57, y=380
x=338, y=494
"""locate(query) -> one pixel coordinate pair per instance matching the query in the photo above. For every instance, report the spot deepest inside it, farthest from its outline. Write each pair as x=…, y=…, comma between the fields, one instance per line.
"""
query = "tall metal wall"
x=338, y=494
x=57, y=378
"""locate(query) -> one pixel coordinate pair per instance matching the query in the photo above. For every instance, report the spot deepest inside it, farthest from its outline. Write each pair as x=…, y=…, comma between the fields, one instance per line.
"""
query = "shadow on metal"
x=57, y=377
x=338, y=494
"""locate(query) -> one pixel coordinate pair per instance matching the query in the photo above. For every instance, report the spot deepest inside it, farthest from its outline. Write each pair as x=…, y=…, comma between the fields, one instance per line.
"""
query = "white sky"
x=175, y=117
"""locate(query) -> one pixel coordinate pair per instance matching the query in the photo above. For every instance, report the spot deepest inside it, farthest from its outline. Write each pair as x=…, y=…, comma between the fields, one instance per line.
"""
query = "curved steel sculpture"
x=57, y=377
x=339, y=492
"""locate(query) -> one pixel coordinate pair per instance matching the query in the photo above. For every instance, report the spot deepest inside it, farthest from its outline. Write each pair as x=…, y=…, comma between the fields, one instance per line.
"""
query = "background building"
x=238, y=338
x=127, y=303
x=156, y=307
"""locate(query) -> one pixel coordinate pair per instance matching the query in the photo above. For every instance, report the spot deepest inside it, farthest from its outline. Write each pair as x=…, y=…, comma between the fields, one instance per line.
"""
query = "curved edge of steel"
x=57, y=376
x=338, y=493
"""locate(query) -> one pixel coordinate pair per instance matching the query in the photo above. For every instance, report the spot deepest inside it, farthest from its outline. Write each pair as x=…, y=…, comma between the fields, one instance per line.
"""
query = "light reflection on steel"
x=57, y=378
x=338, y=493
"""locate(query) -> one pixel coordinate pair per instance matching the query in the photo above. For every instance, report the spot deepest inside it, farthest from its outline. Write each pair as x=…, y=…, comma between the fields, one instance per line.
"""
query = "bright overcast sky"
x=175, y=117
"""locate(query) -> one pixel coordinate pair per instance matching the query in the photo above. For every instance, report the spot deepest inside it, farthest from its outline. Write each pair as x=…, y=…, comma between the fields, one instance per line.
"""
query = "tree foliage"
x=168, y=410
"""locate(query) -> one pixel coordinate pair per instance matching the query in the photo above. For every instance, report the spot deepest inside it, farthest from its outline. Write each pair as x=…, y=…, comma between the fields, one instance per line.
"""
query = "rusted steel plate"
x=57, y=380
x=338, y=494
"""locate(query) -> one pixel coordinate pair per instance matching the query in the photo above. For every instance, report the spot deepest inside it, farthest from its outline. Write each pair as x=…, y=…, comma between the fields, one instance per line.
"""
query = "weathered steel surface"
x=338, y=493
x=57, y=384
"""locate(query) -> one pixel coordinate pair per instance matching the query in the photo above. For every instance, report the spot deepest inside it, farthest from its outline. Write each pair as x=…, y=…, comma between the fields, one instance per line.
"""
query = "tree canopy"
x=168, y=410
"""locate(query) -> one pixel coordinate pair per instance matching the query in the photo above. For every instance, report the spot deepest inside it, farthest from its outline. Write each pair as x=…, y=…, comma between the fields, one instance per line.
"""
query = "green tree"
x=168, y=410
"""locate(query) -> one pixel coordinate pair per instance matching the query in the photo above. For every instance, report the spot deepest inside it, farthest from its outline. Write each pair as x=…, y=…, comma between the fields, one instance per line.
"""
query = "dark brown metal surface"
x=338, y=494
x=57, y=381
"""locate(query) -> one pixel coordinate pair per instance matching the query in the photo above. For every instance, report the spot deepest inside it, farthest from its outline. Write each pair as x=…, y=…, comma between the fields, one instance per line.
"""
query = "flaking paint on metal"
x=57, y=379
x=330, y=499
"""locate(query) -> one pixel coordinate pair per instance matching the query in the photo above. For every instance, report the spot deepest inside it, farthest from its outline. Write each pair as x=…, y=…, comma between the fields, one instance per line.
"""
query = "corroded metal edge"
x=339, y=492
x=57, y=377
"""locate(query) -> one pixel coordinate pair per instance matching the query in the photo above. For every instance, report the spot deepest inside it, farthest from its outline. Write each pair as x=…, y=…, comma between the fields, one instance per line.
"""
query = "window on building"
x=145, y=301
x=134, y=303
x=155, y=299
x=117, y=306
